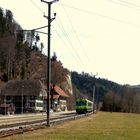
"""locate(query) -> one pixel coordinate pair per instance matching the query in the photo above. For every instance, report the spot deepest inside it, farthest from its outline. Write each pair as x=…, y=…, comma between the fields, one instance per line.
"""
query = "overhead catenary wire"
x=124, y=4
x=132, y=4
x=77, y=37
x=37, y=6
x=65, y=44
x=68, y=39
x=101, y=15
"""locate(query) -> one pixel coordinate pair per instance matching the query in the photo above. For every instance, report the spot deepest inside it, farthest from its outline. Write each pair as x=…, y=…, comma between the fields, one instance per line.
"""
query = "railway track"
x=17, y=127
x=6, y=120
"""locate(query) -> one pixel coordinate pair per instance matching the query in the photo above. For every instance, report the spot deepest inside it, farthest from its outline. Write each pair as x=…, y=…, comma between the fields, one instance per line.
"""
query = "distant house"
x=31, y=95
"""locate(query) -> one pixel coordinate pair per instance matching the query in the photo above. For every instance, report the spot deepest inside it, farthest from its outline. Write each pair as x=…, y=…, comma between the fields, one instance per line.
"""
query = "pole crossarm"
x=34, y=28
x=41, y=32
x=40, y=27
x=49, y=2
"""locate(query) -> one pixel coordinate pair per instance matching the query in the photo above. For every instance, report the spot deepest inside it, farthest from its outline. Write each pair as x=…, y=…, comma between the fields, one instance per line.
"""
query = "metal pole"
x=5, y=103
x=22, y=99
x=49, y=62
x=94, y=93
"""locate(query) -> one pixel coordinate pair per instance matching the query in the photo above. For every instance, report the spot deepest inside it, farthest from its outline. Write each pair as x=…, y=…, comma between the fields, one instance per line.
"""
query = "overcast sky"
x=89, y=35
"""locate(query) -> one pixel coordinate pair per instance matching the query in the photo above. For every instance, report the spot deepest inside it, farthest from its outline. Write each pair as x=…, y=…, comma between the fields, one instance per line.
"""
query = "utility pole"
x=49, y=61
x=5, y=104
x=22, y=99
x=93, y=98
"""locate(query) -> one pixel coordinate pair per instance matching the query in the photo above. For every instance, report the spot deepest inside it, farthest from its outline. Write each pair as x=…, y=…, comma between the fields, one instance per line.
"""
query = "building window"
x=32, y=97
x=7, y=97
x=32, y=104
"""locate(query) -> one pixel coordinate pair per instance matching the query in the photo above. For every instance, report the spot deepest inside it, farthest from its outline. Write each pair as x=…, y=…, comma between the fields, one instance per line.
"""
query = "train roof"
x=83, y=99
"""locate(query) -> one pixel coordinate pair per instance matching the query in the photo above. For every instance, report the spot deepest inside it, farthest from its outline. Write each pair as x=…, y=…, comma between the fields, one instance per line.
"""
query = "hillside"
x=85, y=82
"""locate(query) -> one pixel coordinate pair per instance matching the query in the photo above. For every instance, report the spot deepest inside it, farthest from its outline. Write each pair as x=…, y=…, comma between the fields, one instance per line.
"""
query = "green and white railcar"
x=84, y=106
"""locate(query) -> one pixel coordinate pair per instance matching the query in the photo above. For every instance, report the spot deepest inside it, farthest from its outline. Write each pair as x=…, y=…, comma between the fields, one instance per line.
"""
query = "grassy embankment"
x=102, y=126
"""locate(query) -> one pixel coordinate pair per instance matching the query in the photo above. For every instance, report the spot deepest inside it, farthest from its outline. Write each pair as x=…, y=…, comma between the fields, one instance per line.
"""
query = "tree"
x=1, y=21
x=54, y=57
x=9, y=22
x=108, y=101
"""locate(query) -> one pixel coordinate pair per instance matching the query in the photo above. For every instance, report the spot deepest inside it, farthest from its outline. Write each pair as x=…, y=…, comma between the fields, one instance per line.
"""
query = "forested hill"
x=85, y=82
x=113, y=96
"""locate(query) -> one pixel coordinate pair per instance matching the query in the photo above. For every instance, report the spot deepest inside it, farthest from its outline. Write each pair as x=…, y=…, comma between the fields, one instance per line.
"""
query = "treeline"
x=112, y=96
x=125, y=100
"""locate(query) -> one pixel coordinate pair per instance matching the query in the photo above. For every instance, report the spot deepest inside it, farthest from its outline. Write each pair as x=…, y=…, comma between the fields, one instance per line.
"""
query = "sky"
x=94, y=36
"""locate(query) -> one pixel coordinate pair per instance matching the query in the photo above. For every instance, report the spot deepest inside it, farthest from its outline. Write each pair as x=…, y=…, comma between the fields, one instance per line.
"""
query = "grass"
x=102, y=126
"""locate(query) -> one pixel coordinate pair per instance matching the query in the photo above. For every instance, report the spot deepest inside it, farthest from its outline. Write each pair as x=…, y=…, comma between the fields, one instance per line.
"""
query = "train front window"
x=81, y=103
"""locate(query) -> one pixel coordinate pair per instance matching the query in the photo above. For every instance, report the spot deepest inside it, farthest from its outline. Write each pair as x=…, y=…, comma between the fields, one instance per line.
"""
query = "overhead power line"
x=132, y=4
x=78, y=39
x=65, y=44
x=37, y=6
x=67, y=37
x=124, y=4
x=101, y=15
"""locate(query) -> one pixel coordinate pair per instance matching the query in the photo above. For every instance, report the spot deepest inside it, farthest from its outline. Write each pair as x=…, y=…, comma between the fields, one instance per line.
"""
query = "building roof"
x=29, y=88
x=59, y=91
x=56, y=96
x=24, y=87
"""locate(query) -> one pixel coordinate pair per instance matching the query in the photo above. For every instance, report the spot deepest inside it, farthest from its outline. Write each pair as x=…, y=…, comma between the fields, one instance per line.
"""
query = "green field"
x=102, y=126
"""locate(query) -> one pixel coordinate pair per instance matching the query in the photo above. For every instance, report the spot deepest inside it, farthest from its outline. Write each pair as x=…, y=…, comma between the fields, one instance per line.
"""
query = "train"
x=83, y=106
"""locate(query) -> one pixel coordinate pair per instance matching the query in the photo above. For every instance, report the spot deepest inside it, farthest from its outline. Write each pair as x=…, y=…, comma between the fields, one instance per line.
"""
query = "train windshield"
x=80, y=103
